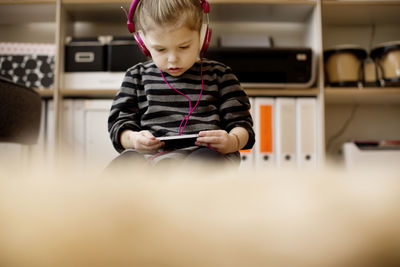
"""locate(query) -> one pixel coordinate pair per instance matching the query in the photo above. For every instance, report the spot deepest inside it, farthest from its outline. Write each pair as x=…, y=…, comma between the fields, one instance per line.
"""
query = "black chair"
x=20, y=113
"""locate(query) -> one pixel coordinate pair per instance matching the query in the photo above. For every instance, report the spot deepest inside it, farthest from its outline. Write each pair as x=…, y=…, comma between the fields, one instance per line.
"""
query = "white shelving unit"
x=360, y=113
x=317, y=24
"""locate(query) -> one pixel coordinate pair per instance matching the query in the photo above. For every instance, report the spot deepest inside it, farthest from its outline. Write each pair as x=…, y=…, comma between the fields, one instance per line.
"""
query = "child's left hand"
x=219, y=140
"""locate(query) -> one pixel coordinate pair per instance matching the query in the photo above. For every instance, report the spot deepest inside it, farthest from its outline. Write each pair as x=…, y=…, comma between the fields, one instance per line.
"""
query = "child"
x=177, y=92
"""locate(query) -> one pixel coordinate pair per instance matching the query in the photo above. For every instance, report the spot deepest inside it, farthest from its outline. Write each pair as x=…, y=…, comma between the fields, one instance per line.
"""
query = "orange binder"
x=264, y=117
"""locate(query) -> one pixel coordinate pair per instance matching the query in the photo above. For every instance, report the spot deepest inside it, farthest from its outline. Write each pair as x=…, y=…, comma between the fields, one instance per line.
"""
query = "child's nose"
x=172, y=57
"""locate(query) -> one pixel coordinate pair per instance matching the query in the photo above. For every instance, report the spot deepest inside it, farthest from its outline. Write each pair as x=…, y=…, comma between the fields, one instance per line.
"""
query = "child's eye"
x=160, y=50
x=184, y=47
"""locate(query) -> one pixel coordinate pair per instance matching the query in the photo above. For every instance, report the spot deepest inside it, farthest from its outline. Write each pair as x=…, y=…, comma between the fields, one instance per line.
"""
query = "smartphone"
x=179, y=141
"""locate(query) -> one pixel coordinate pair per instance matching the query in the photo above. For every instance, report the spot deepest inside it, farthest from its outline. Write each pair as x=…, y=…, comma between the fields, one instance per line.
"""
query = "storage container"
x=387, y=59
x=361, y=155
x=370, y=73
x=86, y=54
x=28, y=64
x=123, y=53
x=344, y=65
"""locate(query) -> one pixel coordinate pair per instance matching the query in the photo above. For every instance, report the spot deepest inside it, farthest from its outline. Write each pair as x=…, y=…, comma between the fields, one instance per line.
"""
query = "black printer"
x=271, y=67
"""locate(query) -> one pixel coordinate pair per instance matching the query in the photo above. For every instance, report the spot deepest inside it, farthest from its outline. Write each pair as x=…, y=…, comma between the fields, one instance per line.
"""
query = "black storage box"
x=28, y=64
x=123, y=53
x=268, y=67
x=85, y=54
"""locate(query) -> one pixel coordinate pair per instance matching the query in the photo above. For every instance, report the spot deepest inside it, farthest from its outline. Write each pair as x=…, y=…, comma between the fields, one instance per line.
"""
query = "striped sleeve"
x=125, y=113
x=235, y=106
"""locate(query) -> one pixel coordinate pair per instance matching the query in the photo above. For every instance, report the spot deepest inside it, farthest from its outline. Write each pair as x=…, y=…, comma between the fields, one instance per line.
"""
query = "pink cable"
x=186, y=118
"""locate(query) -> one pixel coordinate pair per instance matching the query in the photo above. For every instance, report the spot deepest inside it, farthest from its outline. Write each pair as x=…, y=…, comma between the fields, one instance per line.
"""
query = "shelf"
x=256, y=10
x=359, y=2
x=363, y=96
x=32, y=11
x=360, y=13
x=95, y=1
x=88, y=93
x=25, y=2
x=291, y=2
x=259, y=11
x=280, y=2
x=280, y=92
x=45, y=93
x=102, y=11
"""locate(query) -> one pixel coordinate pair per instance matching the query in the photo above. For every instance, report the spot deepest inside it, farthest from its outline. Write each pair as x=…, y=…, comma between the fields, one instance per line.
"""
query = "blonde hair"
x=178, y=13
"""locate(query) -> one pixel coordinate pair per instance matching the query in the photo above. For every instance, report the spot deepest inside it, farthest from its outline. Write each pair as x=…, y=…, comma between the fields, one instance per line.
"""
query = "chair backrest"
x=20, y=113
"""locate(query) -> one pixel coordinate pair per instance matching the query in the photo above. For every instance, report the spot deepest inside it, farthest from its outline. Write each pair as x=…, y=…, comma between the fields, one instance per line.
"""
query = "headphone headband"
x=131, y=26
x=204, y=38
x=132, y=9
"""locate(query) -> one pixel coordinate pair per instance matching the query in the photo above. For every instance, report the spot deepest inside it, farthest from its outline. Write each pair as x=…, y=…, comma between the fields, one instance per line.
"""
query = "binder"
x=247, y=155
x=285, y=132
x=264, y=127
x=247, y=159
x=306, y=110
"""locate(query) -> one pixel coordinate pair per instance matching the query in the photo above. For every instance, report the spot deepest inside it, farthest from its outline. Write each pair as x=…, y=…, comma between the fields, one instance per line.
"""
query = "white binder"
x=285, y=132
x=306, y=133
x=246, y=159
x=264, y=128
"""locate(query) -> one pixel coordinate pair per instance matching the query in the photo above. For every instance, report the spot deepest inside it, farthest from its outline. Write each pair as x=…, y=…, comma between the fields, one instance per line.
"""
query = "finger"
x=209, y=139
x=197, y=143
x=144, y=141
x=206, y=133
x=154, y=147
x=151, y=142
x=148, y=134
x=151, y=147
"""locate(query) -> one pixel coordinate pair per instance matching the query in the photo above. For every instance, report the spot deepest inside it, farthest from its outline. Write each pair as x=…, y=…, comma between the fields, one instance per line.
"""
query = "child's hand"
x=146, y=142
x=142, y=141
x=219, y=140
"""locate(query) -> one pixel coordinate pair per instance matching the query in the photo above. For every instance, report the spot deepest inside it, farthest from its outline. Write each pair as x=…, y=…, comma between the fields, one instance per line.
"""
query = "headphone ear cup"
x=140, y=42
x=205, y=38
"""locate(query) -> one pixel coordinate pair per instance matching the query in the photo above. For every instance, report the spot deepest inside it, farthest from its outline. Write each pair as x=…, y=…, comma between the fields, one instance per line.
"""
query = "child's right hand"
x=142, y=141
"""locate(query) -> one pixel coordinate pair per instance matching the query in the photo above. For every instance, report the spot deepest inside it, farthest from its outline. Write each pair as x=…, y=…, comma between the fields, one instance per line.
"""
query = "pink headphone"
x=205, y=34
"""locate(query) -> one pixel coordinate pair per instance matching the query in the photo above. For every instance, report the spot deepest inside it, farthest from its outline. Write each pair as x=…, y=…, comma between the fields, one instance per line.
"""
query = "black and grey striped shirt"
x=146, y=102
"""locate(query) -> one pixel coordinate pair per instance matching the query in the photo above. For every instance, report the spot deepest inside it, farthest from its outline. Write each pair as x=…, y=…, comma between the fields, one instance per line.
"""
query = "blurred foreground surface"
x=199, y=216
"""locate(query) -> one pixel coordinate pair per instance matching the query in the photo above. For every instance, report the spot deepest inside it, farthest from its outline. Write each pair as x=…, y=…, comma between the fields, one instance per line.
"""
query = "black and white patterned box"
x=29, y=64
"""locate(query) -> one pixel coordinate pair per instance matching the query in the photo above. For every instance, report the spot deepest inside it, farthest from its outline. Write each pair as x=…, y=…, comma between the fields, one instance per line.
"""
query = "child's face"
x=174, y=50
